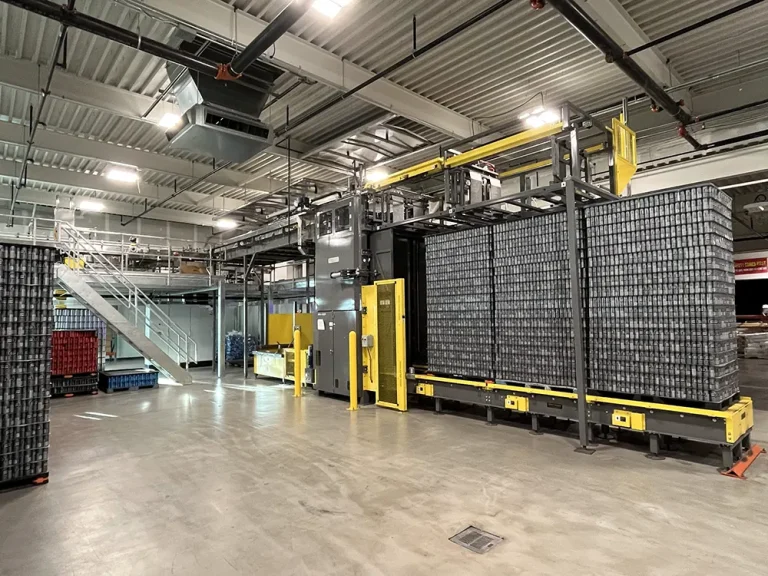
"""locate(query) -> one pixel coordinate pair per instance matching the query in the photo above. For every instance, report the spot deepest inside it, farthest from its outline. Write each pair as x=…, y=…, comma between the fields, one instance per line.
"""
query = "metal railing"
x=121, y=246
x=86, y=258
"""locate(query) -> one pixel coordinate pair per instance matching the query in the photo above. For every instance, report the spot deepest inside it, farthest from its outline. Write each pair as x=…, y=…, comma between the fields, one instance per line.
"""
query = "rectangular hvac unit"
x=220, y=119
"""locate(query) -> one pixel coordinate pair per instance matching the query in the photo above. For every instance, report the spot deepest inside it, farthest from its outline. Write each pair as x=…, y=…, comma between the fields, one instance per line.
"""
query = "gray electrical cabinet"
x=342, y=266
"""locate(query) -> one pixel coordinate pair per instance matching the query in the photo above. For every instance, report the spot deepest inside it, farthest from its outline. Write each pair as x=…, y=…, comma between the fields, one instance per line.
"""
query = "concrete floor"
x=753, y=381
x=216, y=481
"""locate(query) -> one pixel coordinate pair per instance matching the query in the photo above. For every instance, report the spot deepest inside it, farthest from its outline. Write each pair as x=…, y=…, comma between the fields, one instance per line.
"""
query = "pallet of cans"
x=26, y=324
x=115, y=380
x=82, y=319
x=657, y=285
x=460, y=303
x=75, y=352
x=661, y=296
x=534, y=319
x=68, y=386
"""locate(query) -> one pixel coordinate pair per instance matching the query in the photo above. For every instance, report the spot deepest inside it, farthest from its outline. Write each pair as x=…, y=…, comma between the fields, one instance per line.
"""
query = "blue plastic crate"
x=128, y=380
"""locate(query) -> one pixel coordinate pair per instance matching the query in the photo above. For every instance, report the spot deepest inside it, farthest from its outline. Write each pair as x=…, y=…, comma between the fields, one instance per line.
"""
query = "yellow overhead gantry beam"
x=544, y=163
x=504, y=144
x=499, y=146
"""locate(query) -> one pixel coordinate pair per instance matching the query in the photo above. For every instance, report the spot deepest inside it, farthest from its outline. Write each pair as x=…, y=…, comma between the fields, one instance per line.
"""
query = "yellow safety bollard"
x=352, y=371
x=297, y=367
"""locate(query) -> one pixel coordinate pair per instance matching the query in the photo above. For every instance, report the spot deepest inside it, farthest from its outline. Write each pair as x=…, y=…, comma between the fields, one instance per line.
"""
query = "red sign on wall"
x=751, y=266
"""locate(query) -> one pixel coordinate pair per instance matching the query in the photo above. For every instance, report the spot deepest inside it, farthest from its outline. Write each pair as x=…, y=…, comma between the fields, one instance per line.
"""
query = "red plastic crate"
x=74, y=352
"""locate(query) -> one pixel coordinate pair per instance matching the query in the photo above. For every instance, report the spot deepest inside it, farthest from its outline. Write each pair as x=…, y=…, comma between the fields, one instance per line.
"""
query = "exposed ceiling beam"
x=296, y=54
x=383, y=117
x=705, y=169
x=95, y=183
x=112, y=153
x=48, y=198
x=67, y=87
x=617, y=22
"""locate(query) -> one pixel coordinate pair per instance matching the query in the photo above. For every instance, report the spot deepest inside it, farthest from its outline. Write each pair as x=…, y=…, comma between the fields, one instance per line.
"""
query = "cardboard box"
x=193, y=268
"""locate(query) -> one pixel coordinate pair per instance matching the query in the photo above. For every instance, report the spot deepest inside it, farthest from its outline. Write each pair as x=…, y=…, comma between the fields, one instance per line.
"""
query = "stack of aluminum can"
x=82, y=319
x=26, y=275
x=77, y=319
x=534, y=320
x=661, y=296
x=460, y=303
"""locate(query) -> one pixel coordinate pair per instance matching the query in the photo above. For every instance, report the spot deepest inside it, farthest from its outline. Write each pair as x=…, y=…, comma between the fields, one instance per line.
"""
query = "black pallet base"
x=57, y=394
x=463, y=376
x=107, y=390
x=571, y=389
x=722, y=405
x=26, y=482
x=77, y=375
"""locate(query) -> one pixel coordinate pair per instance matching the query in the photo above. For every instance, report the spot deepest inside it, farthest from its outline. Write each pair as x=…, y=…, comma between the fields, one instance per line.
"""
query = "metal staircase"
x=146, y=321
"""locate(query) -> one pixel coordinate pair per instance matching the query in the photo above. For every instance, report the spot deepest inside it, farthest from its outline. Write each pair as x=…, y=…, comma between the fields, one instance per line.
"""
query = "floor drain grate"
x=479, y=541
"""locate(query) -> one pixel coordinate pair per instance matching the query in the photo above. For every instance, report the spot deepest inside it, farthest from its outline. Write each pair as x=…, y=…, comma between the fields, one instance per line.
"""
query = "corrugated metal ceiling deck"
x=487, y=70
x=729, y=42
x=486, y=73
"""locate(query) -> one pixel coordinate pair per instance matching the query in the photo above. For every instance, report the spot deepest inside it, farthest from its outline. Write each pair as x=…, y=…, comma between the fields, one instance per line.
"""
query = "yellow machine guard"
x=384, y=361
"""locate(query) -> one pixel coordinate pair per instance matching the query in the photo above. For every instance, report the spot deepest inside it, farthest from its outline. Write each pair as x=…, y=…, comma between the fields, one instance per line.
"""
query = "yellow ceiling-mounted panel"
x=624, y=154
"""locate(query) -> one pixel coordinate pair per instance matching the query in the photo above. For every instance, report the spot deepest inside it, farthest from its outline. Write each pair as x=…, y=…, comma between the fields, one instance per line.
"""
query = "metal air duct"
x=219, y=118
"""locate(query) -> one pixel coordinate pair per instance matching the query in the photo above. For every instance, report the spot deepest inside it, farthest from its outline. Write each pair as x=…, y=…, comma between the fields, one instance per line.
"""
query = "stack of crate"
x=26, y=275
x=82, y=319
x=661, y=296
x=134, y=379
x=460, y=303
x=534, y=331
x=78, y=351
x=75, y=352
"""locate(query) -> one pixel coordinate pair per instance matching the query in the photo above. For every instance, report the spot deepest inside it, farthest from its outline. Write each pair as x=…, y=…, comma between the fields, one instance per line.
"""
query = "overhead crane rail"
x=436, y=165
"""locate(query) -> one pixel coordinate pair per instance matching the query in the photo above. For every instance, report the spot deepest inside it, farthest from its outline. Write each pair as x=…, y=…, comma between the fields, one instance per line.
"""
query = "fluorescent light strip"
x=86, y=417
x=752, y=183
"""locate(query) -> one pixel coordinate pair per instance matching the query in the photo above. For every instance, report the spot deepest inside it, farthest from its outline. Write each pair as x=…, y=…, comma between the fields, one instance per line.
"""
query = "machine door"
x=389, y=342
x=324, y=349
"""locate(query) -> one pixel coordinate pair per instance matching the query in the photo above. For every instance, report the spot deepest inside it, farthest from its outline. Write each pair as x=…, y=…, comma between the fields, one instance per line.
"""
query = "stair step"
x=78, y=287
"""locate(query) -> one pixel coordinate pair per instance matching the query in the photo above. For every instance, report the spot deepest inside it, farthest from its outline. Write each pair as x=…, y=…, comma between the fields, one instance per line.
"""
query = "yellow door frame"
x=399, y=329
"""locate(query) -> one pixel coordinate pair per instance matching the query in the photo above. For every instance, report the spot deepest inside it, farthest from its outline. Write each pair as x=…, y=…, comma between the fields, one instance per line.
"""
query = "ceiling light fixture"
x=122, y=175
x=742, y=184
x=169, y=121
x=330, y=8
x=539, y=116
x=226, y=224
x=376, y=176
x=91, y=206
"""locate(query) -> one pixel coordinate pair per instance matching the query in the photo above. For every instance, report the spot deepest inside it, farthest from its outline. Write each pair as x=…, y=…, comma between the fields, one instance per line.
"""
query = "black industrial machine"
x=350, y=254
x=342, y=266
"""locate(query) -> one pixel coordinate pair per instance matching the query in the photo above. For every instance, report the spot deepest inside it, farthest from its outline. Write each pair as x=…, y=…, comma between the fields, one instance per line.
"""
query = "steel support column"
x=246, y=270
x=221, y=307
x=575, y=153
x=247, y=266
x=215, y=325
x=263, y=319
x=578, y=335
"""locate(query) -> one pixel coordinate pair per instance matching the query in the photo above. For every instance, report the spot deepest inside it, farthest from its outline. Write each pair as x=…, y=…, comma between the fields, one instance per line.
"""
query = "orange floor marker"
x=740, y=468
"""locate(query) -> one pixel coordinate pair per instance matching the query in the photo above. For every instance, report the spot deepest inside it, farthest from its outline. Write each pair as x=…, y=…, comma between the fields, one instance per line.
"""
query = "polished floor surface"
x=233, y=479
